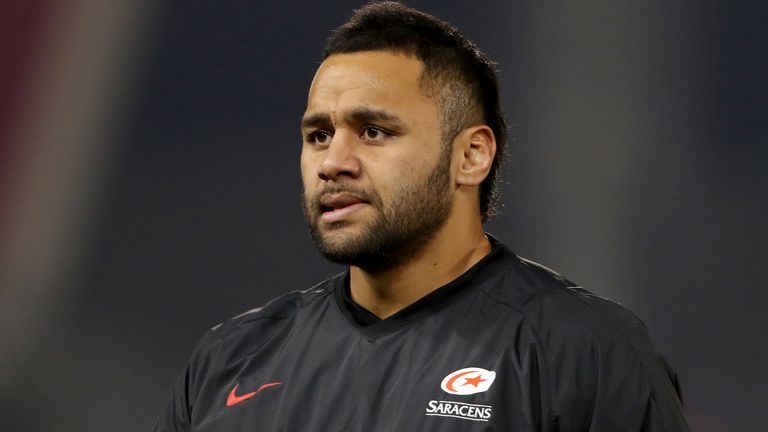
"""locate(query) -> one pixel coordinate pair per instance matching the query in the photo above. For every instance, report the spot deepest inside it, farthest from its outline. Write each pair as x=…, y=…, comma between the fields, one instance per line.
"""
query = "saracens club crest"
x=468, y=381
x=462, y=382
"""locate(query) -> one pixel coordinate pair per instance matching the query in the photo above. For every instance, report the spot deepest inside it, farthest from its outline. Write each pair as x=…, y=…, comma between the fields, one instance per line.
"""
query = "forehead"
x=373, y=79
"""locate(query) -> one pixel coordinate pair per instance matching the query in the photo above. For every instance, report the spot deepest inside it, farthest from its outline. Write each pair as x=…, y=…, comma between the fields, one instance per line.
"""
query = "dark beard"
x=398, y=233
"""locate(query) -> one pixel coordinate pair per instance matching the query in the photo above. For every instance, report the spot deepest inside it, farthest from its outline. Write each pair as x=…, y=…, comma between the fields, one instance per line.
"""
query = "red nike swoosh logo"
x=233, y=399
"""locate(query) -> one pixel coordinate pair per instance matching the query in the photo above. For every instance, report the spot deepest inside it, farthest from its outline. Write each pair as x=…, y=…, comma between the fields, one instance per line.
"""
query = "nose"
x=340, y=159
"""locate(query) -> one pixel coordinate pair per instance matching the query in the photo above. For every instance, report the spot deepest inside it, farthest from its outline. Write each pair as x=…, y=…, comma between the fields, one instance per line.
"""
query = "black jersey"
x=507, y=346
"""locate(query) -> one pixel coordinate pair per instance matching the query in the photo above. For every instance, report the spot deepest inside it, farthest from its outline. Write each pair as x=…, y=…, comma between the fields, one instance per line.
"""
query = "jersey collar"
x=372, y=327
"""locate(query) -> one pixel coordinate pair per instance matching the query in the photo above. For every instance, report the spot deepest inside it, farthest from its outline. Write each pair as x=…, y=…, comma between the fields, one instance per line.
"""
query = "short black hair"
x=460, y=77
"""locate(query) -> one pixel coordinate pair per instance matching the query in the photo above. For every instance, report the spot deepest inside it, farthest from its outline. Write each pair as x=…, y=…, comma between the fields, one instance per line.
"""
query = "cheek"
x=389, y=176
x=308, y=170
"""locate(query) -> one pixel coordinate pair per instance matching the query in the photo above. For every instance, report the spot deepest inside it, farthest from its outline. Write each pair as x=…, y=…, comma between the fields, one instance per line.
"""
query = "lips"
x=338, y=201
x=338, y=206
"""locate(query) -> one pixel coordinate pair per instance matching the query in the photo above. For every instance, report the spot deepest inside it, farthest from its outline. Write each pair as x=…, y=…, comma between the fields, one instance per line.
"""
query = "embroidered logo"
x=234, y=399
x=468, y=381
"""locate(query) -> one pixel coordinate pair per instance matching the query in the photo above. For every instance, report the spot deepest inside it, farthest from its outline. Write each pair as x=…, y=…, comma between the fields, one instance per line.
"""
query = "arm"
x=176, y=415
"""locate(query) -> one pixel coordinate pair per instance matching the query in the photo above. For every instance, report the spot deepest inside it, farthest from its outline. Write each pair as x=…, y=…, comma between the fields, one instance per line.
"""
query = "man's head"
x=460, y=78
x=395, y=136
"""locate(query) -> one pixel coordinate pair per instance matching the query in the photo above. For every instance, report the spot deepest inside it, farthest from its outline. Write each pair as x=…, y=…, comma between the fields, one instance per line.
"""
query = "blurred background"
x=149, y=183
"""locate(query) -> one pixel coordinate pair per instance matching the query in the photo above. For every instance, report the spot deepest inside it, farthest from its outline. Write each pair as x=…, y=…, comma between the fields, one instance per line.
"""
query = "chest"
x=422, y=378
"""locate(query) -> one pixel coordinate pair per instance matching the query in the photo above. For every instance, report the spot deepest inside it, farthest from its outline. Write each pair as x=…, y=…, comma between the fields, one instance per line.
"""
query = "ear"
x=478, y=147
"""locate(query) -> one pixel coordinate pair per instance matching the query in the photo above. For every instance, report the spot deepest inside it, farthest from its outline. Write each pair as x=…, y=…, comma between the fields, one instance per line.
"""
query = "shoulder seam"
x=544, y=348
x=312, y=290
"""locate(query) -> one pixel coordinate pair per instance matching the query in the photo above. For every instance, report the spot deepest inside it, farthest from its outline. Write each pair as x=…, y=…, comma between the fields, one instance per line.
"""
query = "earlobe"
x=478, y=145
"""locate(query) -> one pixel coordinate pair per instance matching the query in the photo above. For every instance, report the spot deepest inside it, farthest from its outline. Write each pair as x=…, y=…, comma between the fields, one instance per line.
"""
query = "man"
x=435, y=326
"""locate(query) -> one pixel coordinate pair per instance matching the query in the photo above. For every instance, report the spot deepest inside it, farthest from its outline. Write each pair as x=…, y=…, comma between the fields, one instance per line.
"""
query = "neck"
x=453, y=251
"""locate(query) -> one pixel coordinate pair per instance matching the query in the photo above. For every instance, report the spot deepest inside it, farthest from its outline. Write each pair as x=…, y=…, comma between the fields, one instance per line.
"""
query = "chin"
x=336, y=235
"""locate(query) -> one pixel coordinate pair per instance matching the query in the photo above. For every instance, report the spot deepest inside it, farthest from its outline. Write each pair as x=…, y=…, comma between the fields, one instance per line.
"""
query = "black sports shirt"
x=507, y=346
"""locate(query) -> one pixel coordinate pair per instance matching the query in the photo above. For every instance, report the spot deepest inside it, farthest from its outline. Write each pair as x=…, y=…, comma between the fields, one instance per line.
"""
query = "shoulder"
x=249, y=334
x=259, y=323
x=578, y=334
x=559, y=310
x=597, y=353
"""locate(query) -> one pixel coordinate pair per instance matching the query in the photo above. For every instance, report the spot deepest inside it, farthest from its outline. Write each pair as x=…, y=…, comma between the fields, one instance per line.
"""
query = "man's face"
x=377, y=178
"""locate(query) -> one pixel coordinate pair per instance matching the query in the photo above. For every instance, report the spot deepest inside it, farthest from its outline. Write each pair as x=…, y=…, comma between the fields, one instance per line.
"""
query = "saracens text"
x=459, y=410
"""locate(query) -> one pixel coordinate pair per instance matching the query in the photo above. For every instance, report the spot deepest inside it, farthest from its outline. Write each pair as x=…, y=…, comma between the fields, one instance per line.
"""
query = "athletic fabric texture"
x=507, y=346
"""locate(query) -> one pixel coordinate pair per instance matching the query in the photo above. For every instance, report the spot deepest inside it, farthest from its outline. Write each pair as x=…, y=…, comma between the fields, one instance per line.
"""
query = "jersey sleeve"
x=178, y=412
x=608, y=377
x=176, y=415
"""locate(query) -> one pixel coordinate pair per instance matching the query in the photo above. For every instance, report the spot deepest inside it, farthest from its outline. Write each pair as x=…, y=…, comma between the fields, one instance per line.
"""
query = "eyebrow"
x=367, y=115
x=316, y=120
x=359, y=115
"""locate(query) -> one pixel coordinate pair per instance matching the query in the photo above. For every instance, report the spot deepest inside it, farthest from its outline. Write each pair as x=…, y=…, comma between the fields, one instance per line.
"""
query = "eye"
x=372, y=133
x=321, y=137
